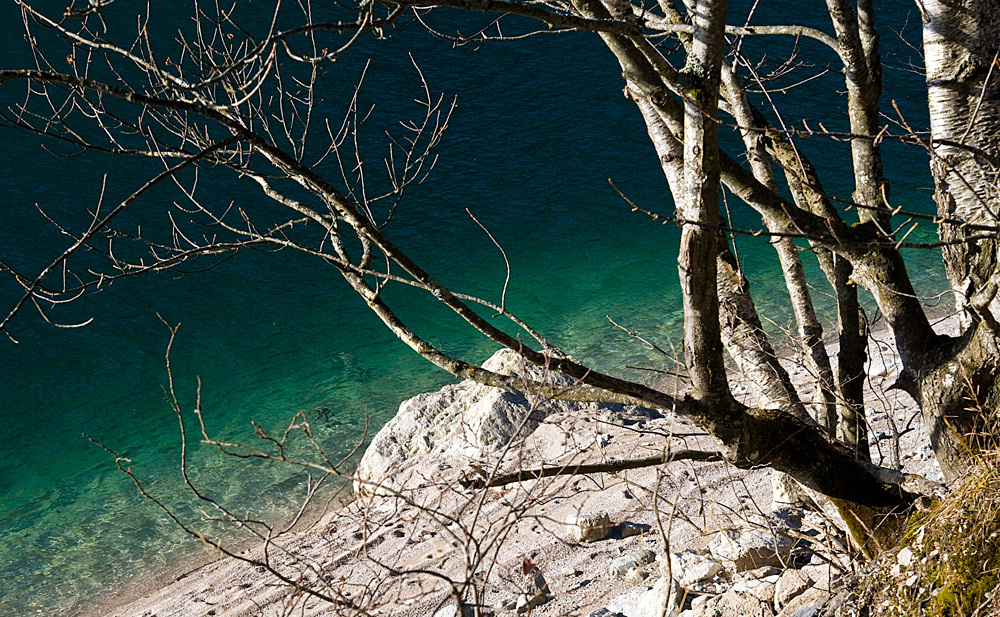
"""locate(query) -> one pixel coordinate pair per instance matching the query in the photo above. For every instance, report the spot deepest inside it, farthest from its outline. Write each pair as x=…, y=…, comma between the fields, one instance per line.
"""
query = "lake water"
x=539, y=128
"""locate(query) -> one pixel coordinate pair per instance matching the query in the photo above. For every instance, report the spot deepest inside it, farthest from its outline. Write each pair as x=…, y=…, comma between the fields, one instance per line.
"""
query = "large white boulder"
x=464, y=421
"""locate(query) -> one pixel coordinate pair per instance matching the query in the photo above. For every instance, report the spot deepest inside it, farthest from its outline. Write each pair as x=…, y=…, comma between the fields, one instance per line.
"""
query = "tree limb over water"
x=222, y=98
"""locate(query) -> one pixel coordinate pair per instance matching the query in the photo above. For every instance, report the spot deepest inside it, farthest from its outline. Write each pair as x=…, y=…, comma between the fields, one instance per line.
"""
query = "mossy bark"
x=781, y=441
x=959, y=399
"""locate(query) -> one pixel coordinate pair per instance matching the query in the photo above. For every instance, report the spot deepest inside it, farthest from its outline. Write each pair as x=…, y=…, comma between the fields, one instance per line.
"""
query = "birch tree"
x=242, y=103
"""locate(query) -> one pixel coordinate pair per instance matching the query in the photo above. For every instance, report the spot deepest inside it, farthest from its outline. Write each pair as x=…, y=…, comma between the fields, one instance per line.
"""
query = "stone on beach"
x=588, y=526
x=747, y=549
x=463, y=421
x=690, y=567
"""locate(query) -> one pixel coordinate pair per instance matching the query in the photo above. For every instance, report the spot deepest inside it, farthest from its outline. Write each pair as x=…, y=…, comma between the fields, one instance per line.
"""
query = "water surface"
x=539, y=129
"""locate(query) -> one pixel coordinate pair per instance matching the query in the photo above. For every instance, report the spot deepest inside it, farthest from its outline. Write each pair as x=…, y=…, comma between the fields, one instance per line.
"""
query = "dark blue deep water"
x=540, y=127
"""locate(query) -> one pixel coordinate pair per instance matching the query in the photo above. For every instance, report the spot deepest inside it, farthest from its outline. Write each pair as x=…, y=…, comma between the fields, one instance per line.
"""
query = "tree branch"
x=524, y=475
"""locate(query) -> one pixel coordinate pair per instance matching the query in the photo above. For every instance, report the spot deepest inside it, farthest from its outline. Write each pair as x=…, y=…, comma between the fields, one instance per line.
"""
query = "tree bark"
x=735, y=425
x=862, y=67
x=810, y=331
x=741, y=331
x=698, y=206
x=958, y=390
x=808, y=193
x=747, y=343
x=963, y=96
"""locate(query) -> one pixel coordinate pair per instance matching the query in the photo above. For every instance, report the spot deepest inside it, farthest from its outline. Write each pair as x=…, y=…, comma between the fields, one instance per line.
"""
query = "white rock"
x=588, y=526
x=630, y=601
x=467, y=421
x=904, y=557
x=787, y=492
x=882, y=365
x=808, y=602
x=636, y=576
x=791, y=584
x=451, y=610
x=762, y=589
x=690, y=567
x=754, y=597
x=535, y=591
x=822, y=576
x=933, y=472
x=755, y=574
x=749, y=549
x=829, y=510
x=621, y=566
x=507, y=604
x=603, y=612
x=460, y=420
x=660, y=600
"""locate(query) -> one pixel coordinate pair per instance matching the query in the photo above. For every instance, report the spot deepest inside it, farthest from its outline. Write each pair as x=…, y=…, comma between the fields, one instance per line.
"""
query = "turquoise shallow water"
x=539, y=128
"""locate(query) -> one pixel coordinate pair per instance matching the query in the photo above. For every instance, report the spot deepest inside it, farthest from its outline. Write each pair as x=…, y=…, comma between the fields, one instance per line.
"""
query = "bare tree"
x=243, y=100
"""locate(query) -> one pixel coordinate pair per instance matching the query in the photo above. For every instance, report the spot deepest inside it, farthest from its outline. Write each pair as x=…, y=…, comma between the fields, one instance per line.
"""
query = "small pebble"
x=635, y=576
x=644, y=557
x=505, y=605
x=621, y=566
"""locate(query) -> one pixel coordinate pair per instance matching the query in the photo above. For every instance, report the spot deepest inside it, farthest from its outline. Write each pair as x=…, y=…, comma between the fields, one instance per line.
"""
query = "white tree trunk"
x=961, y=44
x=961, y=40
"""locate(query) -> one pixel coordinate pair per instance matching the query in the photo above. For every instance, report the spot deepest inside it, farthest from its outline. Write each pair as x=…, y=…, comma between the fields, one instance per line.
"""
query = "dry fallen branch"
x=524, y=475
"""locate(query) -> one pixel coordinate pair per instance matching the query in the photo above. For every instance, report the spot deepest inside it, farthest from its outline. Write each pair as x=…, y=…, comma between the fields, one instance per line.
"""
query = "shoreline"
x=147, y=584
x=185, y=576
